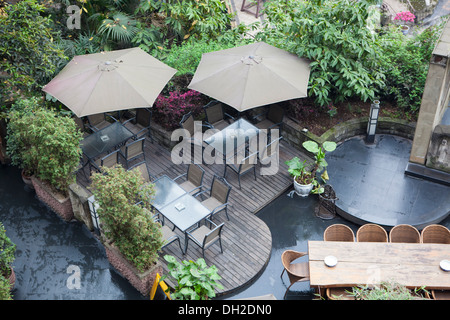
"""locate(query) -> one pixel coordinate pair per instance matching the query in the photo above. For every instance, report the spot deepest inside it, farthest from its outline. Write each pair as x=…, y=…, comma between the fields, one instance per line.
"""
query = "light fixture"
x=373, y=119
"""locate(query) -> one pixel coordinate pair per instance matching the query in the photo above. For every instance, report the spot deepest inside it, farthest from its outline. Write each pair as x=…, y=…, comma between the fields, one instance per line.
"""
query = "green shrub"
x=5, y=289
x=44, y=143
x=123, y=198
x=405, y=64
x=195, y=280
x=7, y=252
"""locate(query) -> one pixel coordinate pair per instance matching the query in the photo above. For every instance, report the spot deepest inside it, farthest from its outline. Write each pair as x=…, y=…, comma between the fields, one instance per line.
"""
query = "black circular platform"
x=370, y=182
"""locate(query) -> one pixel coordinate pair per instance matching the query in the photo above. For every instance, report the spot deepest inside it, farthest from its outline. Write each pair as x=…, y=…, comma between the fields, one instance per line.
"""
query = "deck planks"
x=246, y=239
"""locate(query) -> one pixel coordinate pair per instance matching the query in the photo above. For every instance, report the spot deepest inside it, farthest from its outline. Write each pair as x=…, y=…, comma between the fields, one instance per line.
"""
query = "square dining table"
x=413, y=265
x=233, y=137
x=178, y=206
x=105, y=140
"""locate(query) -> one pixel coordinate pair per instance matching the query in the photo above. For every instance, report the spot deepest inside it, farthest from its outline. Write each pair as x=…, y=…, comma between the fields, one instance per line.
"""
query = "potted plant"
x=131, y=237
x=194, y=279
x=305, y=180
x=47, y=144
x=404, y=18
x=7, y=252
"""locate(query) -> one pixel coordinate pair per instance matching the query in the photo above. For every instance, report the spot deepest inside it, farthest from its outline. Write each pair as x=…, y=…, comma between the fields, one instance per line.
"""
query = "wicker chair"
x=435, y=233
x=216, y=117
x=297, y=272
x=194, y=179
x=339, y=232
x=440, y=294
x=371, y=233
x=404, y=233
x=140, y=123
x=245, y=165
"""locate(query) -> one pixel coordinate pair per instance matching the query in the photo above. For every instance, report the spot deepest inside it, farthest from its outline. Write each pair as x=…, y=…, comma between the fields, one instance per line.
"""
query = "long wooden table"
x=413, y=265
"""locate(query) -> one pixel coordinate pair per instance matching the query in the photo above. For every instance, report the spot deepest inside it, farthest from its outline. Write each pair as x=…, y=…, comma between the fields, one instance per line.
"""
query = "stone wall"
x=292, y=132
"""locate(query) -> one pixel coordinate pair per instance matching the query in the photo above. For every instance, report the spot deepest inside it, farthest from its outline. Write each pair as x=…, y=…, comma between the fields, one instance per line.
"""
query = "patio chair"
x=404, y=233
x=145, y=172
x=140, y=124
x=168, y=235
x=270, y=151
x=205, y=237
x=339, y=232
x=80, y=124
x=273, y=118
x=218, y=196
x=297, y=272
x=133, y=150
x=245, y=165
x=371, y=232
x=98, y=121
x=440, y=294
x=110, y=160
x=194, y=179
x=435, y=233
x=216, y=117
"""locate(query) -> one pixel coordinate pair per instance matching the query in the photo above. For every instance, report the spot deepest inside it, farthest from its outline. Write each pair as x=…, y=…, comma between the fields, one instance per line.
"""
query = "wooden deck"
x=246, y=239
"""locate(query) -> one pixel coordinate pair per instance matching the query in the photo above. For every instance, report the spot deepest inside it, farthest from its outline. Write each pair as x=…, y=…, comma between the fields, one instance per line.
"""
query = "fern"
x=120, y=28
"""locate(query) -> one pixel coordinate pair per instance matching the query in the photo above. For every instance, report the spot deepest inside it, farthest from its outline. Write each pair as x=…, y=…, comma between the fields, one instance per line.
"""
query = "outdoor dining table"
x=178, y=206
x=233, y=137
x=105, y=140
x=413, y=265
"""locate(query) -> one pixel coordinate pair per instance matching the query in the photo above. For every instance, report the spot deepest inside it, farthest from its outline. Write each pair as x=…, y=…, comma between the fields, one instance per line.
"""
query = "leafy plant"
x=405, y=16
x=168, y=111
x=334, y=37
x=386, y=291
x=5, y=289
x=195, y=280
x=305, y=173
x=7, y=252
x=119, y=28
x=44, y=143
x=28, y=54
x=124, y=209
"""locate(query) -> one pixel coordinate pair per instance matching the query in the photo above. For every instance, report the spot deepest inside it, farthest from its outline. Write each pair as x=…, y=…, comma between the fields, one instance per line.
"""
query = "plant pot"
x=27, y=179
x=58, y=202
x=12, y=278
x=327, y=203
x=301, y=189
x=142, y=281
x=405, y=29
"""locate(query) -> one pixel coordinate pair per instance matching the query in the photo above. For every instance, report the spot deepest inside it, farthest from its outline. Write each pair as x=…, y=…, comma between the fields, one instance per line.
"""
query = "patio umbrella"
x=252, y=75
x=110, y=81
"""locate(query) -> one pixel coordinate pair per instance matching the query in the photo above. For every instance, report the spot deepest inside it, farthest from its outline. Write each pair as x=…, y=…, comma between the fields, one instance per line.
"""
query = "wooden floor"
x=246, y=239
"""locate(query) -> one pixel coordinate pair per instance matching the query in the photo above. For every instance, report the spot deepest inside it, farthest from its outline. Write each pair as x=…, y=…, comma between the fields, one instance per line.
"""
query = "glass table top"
x=105, y=139
x=166, y=191
x=233, y=136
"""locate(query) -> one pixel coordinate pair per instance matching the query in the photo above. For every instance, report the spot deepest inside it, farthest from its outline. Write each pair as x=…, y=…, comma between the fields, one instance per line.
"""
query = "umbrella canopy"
x=110, y=81
x=252, y=75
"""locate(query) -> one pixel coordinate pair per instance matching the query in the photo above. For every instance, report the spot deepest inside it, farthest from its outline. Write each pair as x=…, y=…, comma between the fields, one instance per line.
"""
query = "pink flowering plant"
x=405, y=16
x=168, y=111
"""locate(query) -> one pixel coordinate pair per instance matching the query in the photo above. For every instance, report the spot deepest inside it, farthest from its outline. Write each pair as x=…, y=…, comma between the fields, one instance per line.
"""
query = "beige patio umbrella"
x=252, y=75
x=110, y=81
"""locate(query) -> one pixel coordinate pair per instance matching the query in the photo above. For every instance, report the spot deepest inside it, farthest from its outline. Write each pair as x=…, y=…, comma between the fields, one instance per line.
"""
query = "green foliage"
x=195, y=280
x=28, y=55
x=405, y=63
x=7, y=252
x=300, y=170
x=5, y=289
x=386, y=291
x=123, y=198
x=119, y=28
x=196, y=19
x=44, y=143
x=334, y=37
